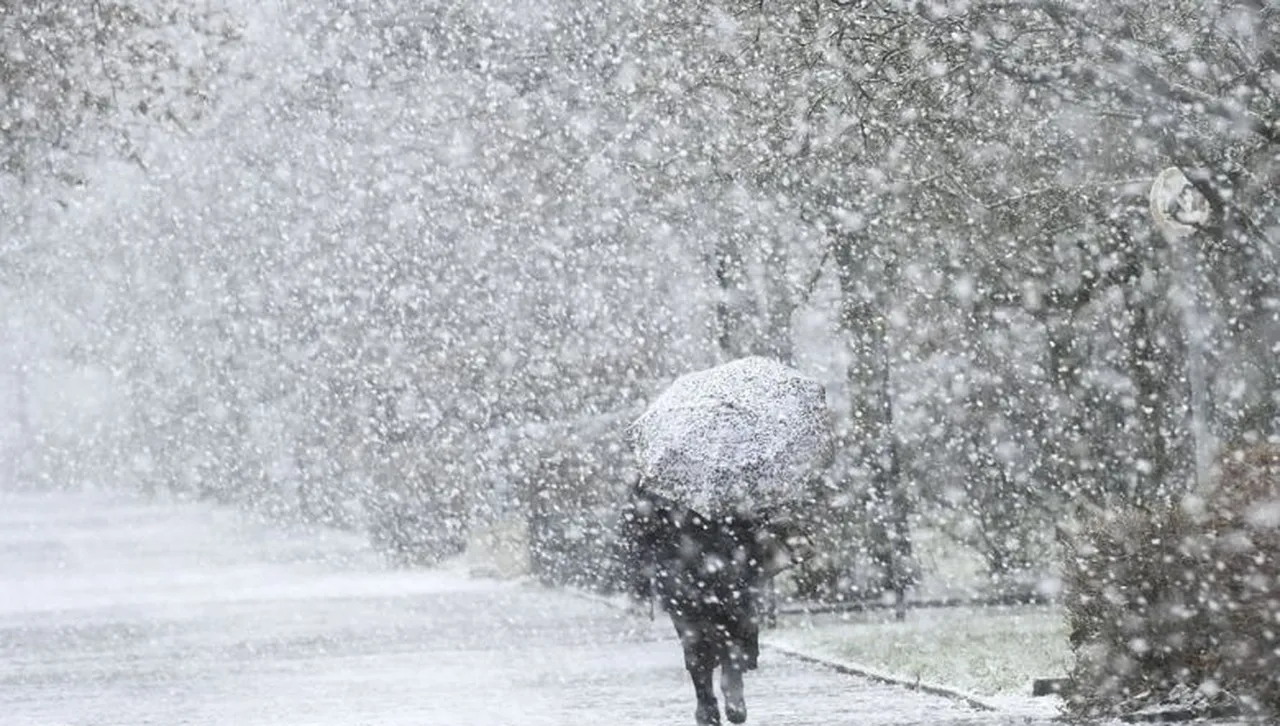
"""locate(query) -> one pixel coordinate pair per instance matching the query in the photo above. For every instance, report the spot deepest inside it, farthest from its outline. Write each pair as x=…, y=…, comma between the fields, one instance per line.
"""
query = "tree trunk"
x=1153, y=402
x=730, y=322
x=774, y=340
x=744, y=324
x=20, y=461
x=865, y=325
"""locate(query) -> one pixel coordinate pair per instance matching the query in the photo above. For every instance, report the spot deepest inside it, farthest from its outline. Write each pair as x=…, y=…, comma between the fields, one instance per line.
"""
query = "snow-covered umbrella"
x=750, y=434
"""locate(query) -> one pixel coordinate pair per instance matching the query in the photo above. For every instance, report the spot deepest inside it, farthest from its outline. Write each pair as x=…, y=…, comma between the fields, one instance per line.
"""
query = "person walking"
x=707, y=573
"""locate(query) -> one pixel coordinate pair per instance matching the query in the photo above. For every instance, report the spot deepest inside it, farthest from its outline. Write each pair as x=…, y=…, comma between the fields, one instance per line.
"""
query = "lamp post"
x=1179, y=211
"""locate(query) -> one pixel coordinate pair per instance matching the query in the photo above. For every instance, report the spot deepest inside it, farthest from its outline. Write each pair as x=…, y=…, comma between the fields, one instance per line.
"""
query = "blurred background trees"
x=390, y=265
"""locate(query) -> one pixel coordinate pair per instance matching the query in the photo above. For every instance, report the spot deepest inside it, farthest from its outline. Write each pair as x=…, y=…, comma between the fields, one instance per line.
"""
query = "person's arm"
x=779, y=548
x=639, y=544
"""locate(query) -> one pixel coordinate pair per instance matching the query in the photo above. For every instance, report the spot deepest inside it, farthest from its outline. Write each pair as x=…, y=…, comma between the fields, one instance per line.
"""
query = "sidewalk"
x=117, y=611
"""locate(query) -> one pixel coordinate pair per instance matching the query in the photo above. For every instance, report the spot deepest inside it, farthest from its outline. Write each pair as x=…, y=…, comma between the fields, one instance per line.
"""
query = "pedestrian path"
x=118, y=611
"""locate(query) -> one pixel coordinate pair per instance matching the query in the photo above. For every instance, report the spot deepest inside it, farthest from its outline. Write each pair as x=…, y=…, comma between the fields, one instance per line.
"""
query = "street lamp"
x=1179, y=210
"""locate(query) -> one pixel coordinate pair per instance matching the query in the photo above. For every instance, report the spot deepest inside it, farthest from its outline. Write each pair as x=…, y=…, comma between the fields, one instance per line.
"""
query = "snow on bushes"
x=1178, y=605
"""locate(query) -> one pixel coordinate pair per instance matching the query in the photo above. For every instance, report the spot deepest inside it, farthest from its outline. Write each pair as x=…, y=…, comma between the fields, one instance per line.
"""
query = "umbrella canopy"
x=749, y=434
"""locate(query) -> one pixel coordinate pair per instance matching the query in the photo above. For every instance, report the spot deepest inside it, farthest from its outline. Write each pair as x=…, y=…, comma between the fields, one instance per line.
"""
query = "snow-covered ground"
x=989, y=655
x=118, y=611
x=991, y=652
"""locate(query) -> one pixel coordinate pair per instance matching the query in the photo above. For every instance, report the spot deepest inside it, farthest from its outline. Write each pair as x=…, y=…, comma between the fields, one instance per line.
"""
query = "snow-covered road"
x=118, y=611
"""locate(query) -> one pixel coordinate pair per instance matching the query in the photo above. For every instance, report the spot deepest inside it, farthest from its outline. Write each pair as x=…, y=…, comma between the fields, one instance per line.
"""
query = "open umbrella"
x=749, y=434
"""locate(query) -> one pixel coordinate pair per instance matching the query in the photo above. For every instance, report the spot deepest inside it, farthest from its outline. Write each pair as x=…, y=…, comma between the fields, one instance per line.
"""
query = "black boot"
x=708, y=714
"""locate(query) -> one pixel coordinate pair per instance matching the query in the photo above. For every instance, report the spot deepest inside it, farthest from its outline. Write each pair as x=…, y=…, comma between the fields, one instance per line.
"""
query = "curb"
x=854, y=669
x=839, y=666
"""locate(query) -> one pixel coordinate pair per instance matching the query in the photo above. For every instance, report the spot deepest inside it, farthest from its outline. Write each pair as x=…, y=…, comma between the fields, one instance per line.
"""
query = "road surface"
x=114, y=610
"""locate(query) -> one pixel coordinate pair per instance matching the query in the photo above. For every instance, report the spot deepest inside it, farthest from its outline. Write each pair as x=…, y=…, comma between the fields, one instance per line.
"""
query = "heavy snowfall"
x=327, y=327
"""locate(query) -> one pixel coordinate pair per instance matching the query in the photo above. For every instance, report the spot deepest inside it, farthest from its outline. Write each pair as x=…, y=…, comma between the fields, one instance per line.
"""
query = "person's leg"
x=749, y=644
x=735, y=700
x=748, y=630
x=698, y=645
x=732, y=661
x=740, y=652
x=731, y=667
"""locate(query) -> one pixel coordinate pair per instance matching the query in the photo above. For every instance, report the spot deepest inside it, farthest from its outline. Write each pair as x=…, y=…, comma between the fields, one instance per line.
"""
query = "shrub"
x=1181, y=601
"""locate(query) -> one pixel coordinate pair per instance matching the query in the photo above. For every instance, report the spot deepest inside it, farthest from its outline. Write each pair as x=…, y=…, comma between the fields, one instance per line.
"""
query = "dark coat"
x=706, y=572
